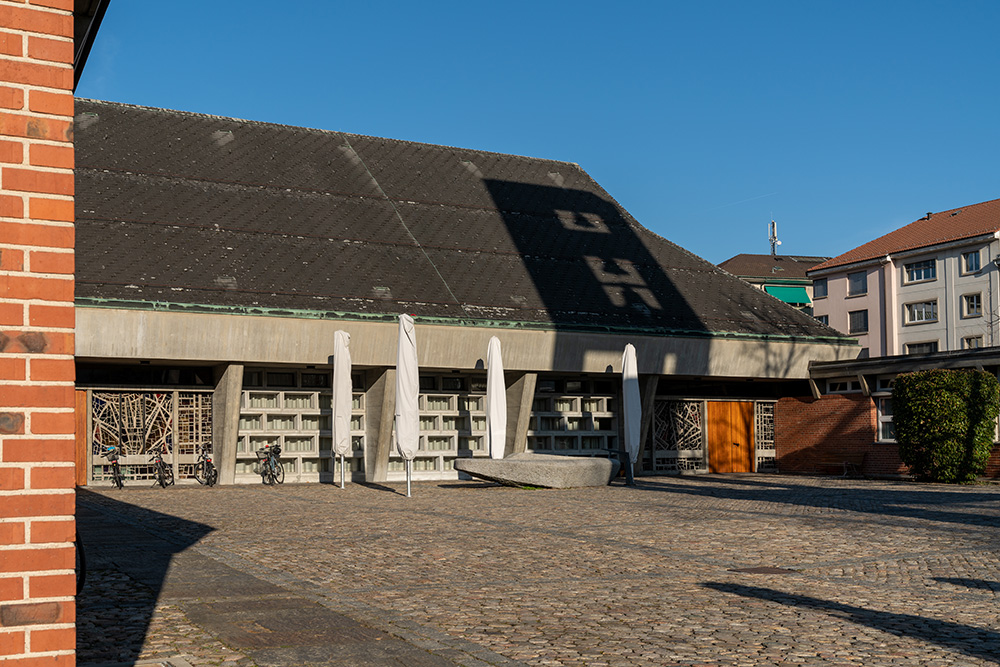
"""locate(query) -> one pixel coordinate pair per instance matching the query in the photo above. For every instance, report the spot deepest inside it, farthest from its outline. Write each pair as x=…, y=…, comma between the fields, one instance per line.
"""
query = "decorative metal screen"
x=141, y=422
x=678, y=437
x=764, y=437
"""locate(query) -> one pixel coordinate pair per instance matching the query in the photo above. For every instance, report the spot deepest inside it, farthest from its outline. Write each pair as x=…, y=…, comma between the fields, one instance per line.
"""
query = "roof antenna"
x=772, y=230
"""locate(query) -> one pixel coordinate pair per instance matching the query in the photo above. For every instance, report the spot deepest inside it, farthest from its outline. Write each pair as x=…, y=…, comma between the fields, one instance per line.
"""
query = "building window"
x=921, y=271
x=919, y=313
x=970, y=262
x=820, y=289
x=823, y=319
x=972, y=342
x=857, y=321
x=972, y=305
x=886, y=427
x=922, y=348
x=857, y=283
x=843, y=386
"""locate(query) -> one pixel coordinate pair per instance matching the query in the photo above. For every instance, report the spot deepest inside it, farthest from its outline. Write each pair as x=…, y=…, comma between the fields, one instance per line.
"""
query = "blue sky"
x=841, y=120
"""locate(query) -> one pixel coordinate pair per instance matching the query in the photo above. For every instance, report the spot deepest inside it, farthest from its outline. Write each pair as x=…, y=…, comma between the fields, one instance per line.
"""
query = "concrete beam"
x=380, y=409
x=226, y=419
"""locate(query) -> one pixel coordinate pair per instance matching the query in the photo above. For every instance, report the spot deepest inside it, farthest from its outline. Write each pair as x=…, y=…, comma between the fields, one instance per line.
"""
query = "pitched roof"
x=187, y=211
x=933, y=229
x=770, y=266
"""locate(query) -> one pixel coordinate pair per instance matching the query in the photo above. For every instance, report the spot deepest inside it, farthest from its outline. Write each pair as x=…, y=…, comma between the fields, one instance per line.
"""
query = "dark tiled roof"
x=934, y=228
x=202, y=211
x=770, y=266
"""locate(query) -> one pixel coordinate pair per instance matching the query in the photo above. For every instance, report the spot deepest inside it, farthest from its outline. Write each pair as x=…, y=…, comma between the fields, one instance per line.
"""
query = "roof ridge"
x=88, y=100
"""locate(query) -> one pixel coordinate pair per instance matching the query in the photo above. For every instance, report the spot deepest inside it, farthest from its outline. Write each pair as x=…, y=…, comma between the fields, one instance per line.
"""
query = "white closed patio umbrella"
x=496, y=401
x=342, y=398
x=631, y=409
x=407, y=414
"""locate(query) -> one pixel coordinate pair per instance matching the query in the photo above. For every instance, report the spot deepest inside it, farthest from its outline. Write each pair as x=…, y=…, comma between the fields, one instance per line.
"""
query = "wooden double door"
x=730, y=436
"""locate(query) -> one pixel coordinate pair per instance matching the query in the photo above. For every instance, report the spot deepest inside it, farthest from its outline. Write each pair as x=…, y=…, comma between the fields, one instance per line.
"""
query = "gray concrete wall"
x=226, y=420
x=106, y=333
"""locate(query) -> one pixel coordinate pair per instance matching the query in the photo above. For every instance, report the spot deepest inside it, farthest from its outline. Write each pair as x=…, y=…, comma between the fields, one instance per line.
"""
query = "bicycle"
x=116, y=471
x=269, y=466
x=205, y=471
x=163, y=473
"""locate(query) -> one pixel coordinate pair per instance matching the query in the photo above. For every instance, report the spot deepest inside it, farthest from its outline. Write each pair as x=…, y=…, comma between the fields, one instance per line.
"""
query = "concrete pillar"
x=226, y=419
x=647, y=390
x=520, y=396
x=380, y=405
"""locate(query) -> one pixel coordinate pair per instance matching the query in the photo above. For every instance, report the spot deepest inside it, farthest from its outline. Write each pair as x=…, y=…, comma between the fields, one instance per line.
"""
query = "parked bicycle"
x=163, y=473
x=204, y=470
x=111, y=454
x=269, y=465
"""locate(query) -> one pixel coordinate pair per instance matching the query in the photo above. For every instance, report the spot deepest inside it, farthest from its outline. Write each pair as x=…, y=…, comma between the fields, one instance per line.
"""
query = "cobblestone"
x=875, y=573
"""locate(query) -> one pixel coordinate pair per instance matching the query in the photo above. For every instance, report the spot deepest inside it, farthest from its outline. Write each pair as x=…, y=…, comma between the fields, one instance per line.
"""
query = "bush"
x=945, y=422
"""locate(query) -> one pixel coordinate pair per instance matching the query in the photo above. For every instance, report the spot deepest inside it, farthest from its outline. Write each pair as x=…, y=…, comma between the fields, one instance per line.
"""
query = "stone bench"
x=542, y=470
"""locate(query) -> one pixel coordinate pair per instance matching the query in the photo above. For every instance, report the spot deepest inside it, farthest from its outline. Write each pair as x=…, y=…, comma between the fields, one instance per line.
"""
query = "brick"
x=11, y=643
x=61, y=639
x=36, y=450
x=11, y=314
x=61, y=210
x=11, y=588
x=11, y=207
x=12, y=369
x=31, y=127
x=11, y=98
x=45, y=75
x=51, y=585
x=51, y=370
x=65, y=5
x=30, y=287
x=11, y=533
x=15, y=614
x=11, y=423
x=35, y=342
x=12, y=152
x=51, y=316
x=54, y=396
x=34, y=20
x=11, y=44
x=44, y=155
x=37, y=560
x=33, y=180
x=59, y=660
x=48, y=423
x=55, y=50
x=11, y=259
x=51, y=262
x=52, y=478
x=39, y=236
x=43, y=532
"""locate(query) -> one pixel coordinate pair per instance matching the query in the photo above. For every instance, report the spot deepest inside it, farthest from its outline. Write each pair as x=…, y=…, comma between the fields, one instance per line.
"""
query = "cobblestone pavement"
x=694, y=570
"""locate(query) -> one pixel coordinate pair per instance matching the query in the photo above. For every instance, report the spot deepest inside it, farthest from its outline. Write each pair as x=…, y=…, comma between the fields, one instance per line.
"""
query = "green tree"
x=945, y=422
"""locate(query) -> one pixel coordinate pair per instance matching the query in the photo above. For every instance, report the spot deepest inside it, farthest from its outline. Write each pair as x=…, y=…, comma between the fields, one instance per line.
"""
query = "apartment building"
x=931, y=286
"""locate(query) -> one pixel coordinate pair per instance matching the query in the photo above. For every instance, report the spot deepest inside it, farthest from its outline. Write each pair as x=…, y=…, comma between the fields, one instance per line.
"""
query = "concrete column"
x=520, y=396
x=226, y=419
x=380, y=404
x=647, y=390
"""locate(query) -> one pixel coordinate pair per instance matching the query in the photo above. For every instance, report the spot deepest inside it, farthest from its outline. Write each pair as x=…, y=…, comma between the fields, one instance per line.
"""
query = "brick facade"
x=37, y=493
x=809, y=430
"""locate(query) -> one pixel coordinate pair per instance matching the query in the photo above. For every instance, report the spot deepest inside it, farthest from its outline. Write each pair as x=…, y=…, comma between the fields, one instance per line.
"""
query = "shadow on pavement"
x=127, y=567
x=975, y=642
x=907, y=500
x=978, y=584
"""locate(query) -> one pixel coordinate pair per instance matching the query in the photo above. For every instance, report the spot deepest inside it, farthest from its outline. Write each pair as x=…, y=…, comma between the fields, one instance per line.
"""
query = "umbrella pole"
x=342, y=471
x=629, y=478
x=407, y=479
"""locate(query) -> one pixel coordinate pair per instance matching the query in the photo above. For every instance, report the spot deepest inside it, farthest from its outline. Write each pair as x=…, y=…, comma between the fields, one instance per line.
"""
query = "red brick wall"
x=807, y=430
x=37, y=492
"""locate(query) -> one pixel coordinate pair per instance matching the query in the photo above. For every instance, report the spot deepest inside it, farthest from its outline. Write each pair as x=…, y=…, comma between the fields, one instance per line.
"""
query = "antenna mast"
x=772, y=230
